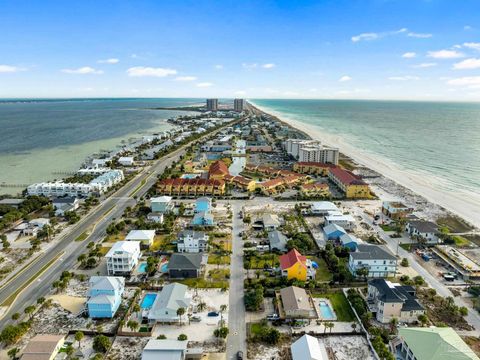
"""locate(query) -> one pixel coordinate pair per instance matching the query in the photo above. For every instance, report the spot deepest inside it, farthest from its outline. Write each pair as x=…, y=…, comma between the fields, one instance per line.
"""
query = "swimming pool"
x=326, y=311
x=148, y=301
x=142, y=267
x=164, y=268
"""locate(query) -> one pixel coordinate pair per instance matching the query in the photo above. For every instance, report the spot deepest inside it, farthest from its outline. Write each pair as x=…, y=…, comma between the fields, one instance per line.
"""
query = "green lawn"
x=323, y=274
x=406, y=246
x=82, y=236
x=386, y=227
x=259, y=261
x=340, y=305
x=460, y=241
x=204, y=284
x=214, y=259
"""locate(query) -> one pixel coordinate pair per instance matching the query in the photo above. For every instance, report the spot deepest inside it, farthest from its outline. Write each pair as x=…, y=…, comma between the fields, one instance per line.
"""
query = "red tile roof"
x=315, y=186
x=218, y=168
x=272, y=182
x=191, y=182
x=320, y=165
x=346, y=177
x=291, y=258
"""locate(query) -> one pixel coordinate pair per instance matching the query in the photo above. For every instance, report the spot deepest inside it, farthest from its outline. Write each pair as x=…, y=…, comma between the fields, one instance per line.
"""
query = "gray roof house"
x=192, y=241
x=185, y=265
x=277, y=241
x=164, y=349
x=378, y=261
x=171, y=298
x=425, y=229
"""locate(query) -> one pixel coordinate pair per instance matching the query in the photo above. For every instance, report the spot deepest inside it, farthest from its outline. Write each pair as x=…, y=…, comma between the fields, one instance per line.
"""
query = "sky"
x=359, y=49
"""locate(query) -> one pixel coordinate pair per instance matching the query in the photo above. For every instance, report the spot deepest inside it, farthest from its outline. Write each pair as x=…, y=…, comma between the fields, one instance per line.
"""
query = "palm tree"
x=79, y=337
x=136, y=309
x=12, y=353
x=330, y=325
x=222, y=309
x=354, y=327
x=393, y=325
x=29, y=310
x=132, y=325
x=201, y=306
x=180, y=312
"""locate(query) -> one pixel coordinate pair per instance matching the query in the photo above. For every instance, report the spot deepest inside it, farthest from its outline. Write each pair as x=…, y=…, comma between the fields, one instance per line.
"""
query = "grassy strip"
x=10, y=300
x=204, y=284
x=82, y=236
x=138, y=187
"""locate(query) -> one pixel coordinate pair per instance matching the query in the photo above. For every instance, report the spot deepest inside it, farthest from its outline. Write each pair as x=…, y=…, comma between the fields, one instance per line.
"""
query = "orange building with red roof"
x=191, y=187
x=315, y=190
x=218, y=170
x=313, y=168
x=349, y=183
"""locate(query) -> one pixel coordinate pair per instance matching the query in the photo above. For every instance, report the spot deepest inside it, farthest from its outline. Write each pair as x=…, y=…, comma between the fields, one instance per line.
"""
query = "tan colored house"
x=296, y=303
x=388, y=300
x=43, y=347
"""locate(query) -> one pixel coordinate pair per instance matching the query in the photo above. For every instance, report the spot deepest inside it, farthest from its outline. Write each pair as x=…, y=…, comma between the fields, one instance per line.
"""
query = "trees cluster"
x=12, y=333
x=63, y=282
x=302, y=242
x=332, y=255
x=101, y=343
x=10, y=214
x=115, y=228
x=90, y=260
x=254, y=298
x=72, y=217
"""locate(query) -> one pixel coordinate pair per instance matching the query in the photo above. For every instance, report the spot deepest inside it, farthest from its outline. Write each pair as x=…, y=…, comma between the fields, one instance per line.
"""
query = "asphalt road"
x=236, y=340
x=113, y=207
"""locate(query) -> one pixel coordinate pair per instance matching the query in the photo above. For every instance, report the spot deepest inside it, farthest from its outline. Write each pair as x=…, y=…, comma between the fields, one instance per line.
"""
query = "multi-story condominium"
x=123, y=257
x=58, y=189
x=192, y=241
x=379, y=262
x=388, y=300
x=319, y=154
x=238, y=105
x=191, y=187
x=350, y=184
x=293, y=146
x=212, y=104
x=93, y=170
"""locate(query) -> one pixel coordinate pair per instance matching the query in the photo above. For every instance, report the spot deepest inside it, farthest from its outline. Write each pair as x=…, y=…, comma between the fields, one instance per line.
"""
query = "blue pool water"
x=326, y=311
x=142, y=267
x=164, y=268
x=147, y=301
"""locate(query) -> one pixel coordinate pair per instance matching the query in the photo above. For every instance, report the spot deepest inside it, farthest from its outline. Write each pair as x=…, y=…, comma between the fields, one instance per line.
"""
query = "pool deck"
x=317, y=302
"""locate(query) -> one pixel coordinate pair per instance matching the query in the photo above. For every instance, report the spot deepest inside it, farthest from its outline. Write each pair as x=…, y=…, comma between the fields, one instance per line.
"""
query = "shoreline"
x=465, y=205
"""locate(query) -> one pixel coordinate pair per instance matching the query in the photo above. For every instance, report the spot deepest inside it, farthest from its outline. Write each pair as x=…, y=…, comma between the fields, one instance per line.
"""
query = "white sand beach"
x=461, y=203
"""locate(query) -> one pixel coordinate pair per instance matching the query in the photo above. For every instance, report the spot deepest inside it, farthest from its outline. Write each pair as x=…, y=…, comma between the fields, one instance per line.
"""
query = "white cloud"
x=409, y=55
x=204, y=84
x=472, y=45
x=268, y=66
x=403, y=78
x=424, y=65
x=249, y=66
x=374, y=36
x=185, y=78
x=467, y=64
x=219, y=67
x=419, y=35
x=365, y=36
x=445, y=54
x=240, y=92
x=109, y=61
x=10, y=69
x=470, y=81
x=141, y=71
x=345, y=78
x=82, y=71
x=467, y=27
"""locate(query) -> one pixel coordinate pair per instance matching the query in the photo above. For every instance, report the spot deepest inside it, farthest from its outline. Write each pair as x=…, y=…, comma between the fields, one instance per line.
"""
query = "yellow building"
x=313, y=168
x=315, y=190
x=296, y=266
x=350, y=184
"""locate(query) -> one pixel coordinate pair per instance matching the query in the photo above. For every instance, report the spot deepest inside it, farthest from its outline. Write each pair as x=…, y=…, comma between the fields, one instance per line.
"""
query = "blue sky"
x=405, y=49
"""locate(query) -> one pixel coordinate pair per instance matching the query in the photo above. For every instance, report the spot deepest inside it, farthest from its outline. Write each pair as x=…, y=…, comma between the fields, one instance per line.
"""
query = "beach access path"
x=53, y=263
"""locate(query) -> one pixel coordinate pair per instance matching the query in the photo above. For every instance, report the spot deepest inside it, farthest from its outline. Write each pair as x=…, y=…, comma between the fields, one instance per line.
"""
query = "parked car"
x=196, y=319
x=213, y=314
x=240, y=355
x=272, y=317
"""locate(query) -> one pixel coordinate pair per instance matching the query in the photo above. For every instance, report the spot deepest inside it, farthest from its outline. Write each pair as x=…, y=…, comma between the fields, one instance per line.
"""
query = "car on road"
x=195, y=318
x=213, y=314
x=240, y=355
x=272, y=317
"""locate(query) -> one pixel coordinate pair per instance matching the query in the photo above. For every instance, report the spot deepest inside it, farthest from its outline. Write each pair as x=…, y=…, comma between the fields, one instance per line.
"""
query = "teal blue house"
x=203, y=218
x=333, y=231
x=203, y=204
x=105, y=296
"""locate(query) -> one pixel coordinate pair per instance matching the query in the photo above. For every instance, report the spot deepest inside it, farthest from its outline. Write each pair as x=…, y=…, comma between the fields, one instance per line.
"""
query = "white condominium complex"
x=59, y=188
x=311, y=151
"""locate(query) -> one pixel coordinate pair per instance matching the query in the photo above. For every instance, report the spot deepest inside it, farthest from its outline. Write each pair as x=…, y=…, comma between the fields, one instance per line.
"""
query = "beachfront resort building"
x=123, y=257
x=105, y=296
x=315, y=190
x=212, y=104
x=168, y=301
x=387, y=300
x=238, y=105
x=318, y=153
x=192, y=241
x=97, y=186
x=296, y=266
x=379, y=262
x=430, y=343
x=350, y=184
